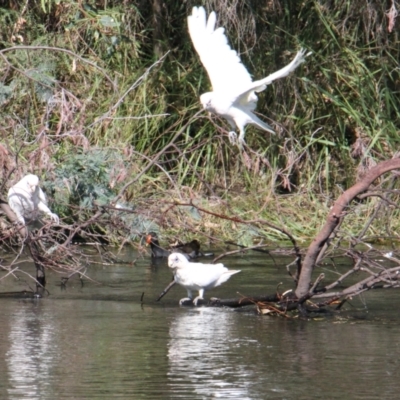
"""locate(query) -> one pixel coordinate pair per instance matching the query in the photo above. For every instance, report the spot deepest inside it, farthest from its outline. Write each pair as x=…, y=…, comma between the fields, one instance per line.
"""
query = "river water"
x=98, y=341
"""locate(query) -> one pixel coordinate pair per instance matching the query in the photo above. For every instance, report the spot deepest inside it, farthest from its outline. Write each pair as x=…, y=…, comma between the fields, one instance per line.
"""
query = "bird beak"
x=148, y=240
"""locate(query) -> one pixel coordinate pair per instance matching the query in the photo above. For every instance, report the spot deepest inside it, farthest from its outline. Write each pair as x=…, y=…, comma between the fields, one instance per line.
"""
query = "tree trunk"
x=335, y=215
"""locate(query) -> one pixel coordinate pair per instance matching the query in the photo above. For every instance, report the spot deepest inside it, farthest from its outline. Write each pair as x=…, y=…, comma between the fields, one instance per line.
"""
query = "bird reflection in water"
x=30, y=355
x=200, y=355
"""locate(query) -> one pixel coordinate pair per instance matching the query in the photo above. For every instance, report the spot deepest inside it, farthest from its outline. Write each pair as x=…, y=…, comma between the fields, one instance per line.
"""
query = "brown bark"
x=334, y=217
x=241, y=302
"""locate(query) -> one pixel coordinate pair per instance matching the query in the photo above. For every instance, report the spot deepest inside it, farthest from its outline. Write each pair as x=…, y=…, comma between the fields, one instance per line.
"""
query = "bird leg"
x=233, y=139
x=185, y=299
x=241, y=141
x=199, y=297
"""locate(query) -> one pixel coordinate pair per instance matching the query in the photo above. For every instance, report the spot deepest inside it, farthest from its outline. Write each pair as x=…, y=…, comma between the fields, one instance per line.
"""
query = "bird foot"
x=196, y=300
x=232, y=137
x=54, y=218
x=185, y=300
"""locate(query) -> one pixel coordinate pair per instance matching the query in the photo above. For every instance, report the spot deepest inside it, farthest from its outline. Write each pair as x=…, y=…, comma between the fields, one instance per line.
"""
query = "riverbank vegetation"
x=116, y=83
x=100, y=99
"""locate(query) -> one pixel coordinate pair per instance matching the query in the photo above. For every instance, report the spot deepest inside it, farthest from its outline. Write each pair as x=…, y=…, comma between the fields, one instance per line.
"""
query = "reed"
x=76, y=79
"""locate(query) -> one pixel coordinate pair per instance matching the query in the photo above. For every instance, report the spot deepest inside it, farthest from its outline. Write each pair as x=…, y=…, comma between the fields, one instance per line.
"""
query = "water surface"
x=98, y=341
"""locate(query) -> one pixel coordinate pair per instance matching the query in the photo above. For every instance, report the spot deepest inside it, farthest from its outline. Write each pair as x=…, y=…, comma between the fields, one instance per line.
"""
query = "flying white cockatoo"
x=26, y=199
x=234, y=92
x=197, y=276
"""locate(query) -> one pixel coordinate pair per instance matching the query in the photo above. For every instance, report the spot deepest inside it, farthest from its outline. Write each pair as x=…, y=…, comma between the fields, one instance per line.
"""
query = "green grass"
x=98, y=86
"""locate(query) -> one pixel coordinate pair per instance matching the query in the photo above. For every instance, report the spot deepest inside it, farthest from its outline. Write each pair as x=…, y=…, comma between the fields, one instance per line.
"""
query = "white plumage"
x=27, y=200
x=197, y=276
x=234, y=92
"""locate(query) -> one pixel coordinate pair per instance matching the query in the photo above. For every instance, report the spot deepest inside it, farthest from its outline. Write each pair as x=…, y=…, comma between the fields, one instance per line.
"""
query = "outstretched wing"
x=223, y=65
x=261, y=84
x=247, y=96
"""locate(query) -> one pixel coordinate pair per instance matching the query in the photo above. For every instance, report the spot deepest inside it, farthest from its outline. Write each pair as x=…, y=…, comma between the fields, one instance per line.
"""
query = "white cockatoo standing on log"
x=197, y=276
x=234, y=91
x=28, y=201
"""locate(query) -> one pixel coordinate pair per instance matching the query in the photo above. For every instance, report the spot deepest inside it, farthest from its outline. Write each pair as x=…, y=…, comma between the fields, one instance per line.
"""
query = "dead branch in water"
x=375, y=271
x=336, y=214
x=54, y=247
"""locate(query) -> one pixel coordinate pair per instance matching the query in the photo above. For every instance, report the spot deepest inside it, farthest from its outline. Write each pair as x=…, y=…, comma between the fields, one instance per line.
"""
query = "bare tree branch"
x=336, y=213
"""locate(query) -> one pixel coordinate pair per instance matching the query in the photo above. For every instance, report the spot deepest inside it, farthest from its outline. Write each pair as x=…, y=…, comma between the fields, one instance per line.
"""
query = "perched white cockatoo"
x=27, y=200
x=197, y=276
x=234, y=92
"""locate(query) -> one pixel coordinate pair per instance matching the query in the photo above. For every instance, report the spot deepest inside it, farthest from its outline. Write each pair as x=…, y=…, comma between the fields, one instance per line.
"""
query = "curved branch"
x=335, y=215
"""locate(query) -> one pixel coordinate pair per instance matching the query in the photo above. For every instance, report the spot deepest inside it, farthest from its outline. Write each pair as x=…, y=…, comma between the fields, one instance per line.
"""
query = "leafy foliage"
x=89, y=180
x=82, y=179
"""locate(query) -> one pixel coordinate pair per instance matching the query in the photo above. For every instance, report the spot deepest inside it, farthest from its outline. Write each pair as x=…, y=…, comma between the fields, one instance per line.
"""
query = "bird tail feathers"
x=226, y=275
x=261, y=124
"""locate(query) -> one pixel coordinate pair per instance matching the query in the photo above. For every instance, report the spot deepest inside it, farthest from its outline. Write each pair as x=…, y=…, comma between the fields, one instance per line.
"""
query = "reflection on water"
x=29, y=357
x=99, y=342
x=198, y=353
x=231, y=355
